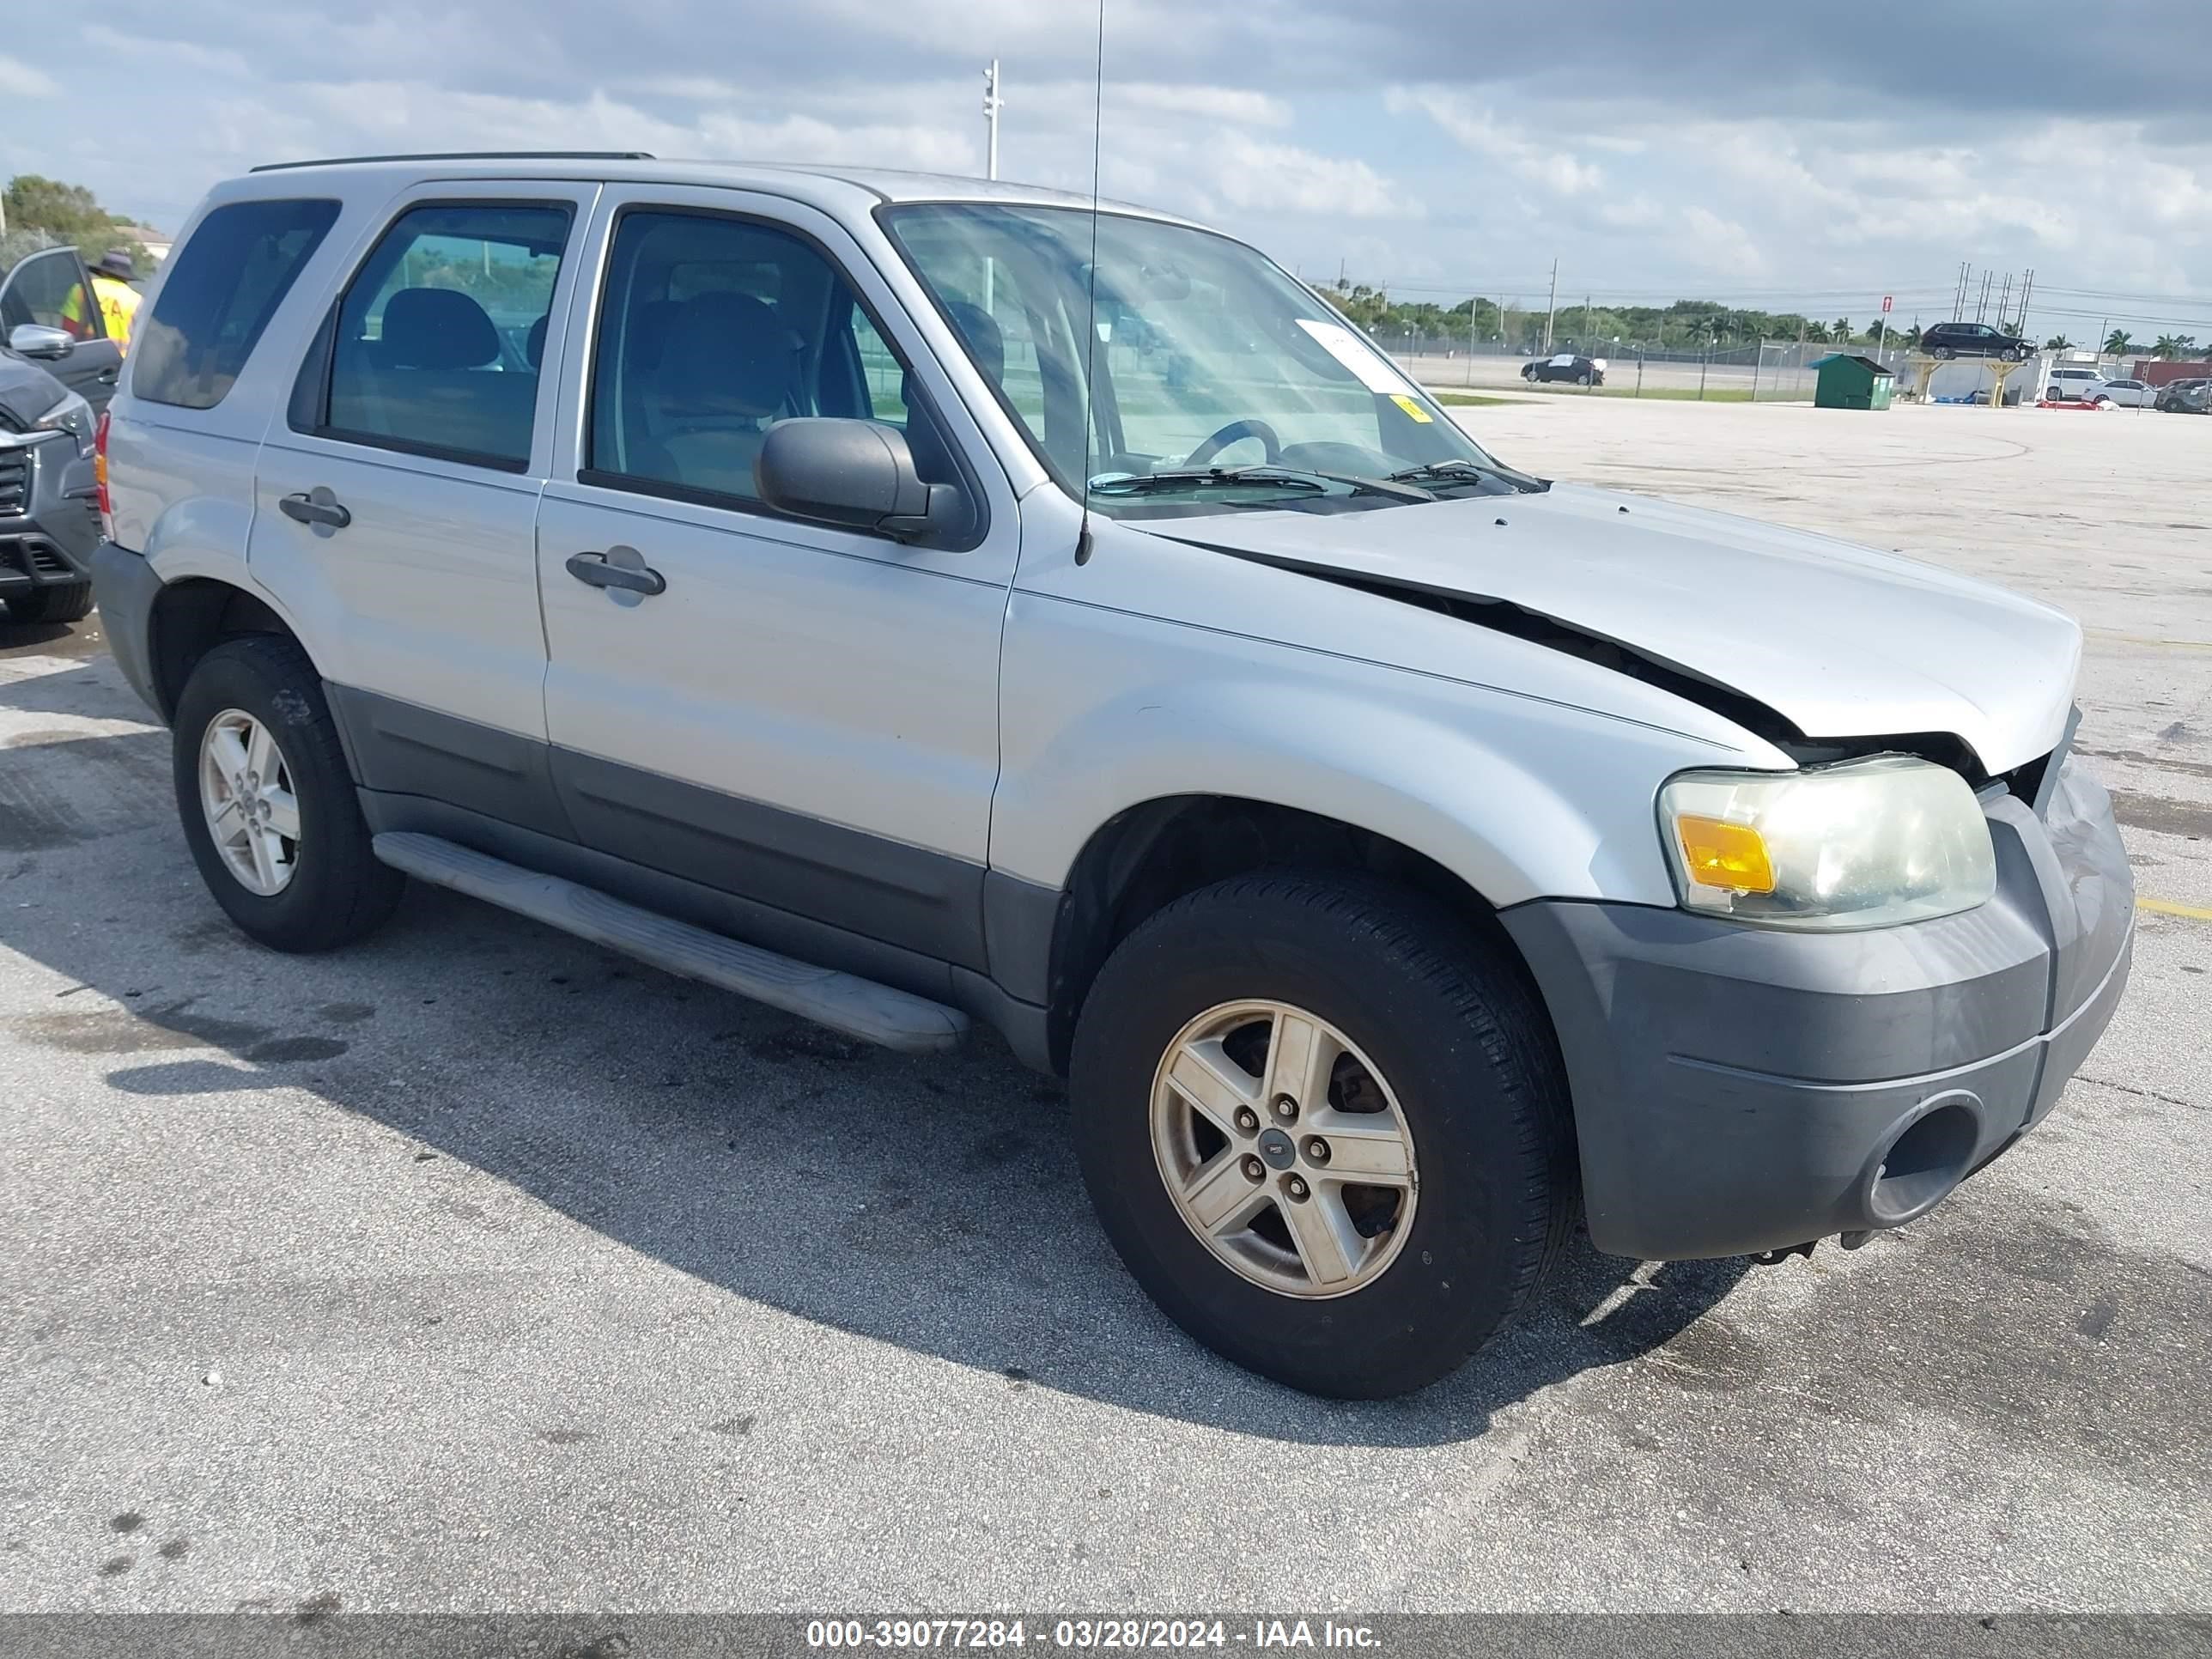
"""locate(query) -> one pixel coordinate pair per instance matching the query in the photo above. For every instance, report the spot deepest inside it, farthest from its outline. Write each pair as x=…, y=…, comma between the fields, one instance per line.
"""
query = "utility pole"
x=1552, y=308
x=1959, y=295
x=1982, y=305
x=992, y=104
x=2027, y=287
x=1586, y=308
x=2004, y=300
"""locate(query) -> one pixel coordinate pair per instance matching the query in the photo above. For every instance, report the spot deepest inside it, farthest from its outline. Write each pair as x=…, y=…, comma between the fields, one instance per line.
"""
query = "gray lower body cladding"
x=126, y=588
x=1739, y=1089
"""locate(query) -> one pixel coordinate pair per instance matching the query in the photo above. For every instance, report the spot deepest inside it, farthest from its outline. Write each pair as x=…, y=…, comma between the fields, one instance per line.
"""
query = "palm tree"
x=2167, y=346
x=2184, y=344
x=1843, y=330
x=2120, y=340
x=2057, y=343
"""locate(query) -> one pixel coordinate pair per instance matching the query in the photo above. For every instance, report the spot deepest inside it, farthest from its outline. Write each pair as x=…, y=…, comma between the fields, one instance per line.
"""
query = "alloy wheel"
x=1283, y=1148
x=246, y=795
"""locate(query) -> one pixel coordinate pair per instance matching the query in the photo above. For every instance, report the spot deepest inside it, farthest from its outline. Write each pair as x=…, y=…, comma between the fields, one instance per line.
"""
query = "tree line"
x=1685, y=326
x=55, y=215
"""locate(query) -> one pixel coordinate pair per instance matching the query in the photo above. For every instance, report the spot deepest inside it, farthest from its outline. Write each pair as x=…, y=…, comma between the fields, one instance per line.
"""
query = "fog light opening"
x=1923, y=1164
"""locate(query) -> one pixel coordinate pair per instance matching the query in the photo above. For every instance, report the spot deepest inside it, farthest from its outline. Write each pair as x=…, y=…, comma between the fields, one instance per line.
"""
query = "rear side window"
x=221, y=288
x=439, y=338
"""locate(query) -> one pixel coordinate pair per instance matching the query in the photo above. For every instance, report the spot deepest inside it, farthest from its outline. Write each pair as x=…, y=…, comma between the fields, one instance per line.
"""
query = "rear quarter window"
x=222, y=287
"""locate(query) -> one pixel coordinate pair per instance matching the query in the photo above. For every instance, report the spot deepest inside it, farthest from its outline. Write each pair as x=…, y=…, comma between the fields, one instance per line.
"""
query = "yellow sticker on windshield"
x=1413, y=411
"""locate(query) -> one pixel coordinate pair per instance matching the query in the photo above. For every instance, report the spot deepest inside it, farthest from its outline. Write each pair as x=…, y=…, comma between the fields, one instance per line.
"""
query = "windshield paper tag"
x=1374, y=371
x=1413, y=411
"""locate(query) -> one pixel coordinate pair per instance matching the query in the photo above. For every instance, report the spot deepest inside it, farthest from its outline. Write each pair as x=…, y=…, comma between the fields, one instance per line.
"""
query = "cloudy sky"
x=1784, y=154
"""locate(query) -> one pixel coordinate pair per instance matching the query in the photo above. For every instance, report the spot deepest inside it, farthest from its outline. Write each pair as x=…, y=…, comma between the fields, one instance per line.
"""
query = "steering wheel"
x=1235, y=432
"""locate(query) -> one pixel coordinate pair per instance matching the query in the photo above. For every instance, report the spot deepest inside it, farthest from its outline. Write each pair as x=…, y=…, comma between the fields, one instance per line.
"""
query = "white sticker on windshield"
x=1374, y=373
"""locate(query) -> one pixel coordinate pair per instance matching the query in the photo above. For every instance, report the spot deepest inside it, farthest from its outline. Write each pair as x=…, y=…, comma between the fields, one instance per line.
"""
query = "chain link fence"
x=1773, y=371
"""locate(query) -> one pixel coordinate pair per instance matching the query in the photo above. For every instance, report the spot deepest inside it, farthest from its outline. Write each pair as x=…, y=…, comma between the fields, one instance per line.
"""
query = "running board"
x=859, y=1008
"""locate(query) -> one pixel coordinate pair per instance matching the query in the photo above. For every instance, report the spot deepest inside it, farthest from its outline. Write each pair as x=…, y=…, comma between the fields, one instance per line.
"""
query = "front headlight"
x=1867, y=844
x=73, y=416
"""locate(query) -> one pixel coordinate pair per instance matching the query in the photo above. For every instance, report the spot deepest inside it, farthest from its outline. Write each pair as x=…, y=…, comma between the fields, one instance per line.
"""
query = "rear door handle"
x=618, y=566
x=107, y=376
x=316, y=507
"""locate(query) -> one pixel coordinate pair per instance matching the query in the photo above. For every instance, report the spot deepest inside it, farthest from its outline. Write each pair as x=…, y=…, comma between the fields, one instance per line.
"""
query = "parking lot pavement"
x=478, y=1269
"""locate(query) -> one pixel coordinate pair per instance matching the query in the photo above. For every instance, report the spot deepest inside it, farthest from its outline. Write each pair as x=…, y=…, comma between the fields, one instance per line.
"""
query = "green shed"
x=1850, y=381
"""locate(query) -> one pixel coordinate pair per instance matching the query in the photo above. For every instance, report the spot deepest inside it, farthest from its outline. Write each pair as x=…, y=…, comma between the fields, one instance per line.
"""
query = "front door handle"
x=618, y=566
x=316, y=507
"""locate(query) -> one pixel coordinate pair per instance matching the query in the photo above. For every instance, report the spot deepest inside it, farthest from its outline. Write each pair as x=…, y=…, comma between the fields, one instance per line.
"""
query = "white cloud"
x=1234, y=106
x=19, y=79
x=1557, y=170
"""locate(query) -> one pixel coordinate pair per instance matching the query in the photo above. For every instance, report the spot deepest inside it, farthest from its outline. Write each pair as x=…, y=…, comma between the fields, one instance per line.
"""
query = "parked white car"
x=779, y=575
x=2075, y=384
x=2131, y=394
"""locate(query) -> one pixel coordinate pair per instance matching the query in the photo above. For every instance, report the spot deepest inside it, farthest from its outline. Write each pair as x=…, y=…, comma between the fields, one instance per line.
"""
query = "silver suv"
x=909, y=601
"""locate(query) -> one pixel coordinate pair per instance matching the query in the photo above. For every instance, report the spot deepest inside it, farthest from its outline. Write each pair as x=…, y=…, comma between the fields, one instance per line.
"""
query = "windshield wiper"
x=1457, y=471
x=1263, y=473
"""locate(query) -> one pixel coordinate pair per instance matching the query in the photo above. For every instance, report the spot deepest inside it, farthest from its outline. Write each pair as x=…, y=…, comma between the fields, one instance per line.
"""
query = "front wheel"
x=1326, y=1133
x=1944, y=354
x=1583, y=379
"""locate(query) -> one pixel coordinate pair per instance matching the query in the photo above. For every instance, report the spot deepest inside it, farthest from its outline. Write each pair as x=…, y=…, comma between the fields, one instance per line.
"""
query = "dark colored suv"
x=1974, y=340
x=49, y=506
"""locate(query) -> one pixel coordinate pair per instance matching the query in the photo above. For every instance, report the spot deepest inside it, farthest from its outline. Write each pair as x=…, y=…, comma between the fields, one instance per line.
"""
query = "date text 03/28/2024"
x=1086, y=1634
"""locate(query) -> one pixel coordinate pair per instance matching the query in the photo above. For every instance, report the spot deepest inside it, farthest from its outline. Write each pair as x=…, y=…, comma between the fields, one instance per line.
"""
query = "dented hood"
x=1841, y=640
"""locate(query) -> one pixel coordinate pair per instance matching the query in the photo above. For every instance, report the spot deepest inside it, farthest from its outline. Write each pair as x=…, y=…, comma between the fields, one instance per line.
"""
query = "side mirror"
x=37, y=340
x=854, y=473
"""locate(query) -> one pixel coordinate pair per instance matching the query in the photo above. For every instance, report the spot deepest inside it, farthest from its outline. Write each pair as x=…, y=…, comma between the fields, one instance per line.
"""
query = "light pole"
x=992, y=104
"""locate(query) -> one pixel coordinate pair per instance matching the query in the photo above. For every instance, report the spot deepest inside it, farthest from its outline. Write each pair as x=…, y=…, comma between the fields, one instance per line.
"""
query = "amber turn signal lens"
x=1719, y=853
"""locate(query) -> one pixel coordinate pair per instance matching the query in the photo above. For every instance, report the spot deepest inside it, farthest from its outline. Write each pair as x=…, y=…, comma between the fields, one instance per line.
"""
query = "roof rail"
x=469, y=155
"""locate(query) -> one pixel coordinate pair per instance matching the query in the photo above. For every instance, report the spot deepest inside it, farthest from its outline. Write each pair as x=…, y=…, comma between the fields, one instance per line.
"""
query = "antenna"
x=992, y=104
x=1083, y=542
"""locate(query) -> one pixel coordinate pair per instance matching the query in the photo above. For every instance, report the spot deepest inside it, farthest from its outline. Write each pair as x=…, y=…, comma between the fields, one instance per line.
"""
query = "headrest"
x=437, y=328
x=727, y=353
x=985, y=340
x=533, y=343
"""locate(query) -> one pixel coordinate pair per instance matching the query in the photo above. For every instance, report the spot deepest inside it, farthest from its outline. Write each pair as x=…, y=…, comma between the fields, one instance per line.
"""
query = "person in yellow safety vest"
x=119, y=300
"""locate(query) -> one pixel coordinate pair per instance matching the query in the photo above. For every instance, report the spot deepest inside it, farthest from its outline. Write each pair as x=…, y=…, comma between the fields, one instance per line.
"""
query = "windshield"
x=1209, y=359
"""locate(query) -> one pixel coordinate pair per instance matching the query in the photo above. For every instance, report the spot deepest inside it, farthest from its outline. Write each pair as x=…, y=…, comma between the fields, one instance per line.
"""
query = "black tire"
x=68, y=602
x=338, y=891
x=1462, y=1042
x=1583, y=379
x=1944, y=354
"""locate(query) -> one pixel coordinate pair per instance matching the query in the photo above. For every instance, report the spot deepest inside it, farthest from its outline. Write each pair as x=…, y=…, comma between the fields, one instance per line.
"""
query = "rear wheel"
x=1945, y=353
x=67, y=602
x=1326, y=1133
x=267, y=802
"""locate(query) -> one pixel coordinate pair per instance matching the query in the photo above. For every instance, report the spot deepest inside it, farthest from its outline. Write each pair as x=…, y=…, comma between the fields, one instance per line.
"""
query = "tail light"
x=99, y=477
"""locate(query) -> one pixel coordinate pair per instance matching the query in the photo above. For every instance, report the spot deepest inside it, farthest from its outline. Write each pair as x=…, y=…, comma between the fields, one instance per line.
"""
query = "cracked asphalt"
x=476, y=1268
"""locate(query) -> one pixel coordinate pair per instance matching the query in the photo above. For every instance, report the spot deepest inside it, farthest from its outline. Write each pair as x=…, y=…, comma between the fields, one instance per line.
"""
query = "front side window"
x=49, y=288
x=713, y=328
x=221, y=288
x=1191, y=353
x=439, y=341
